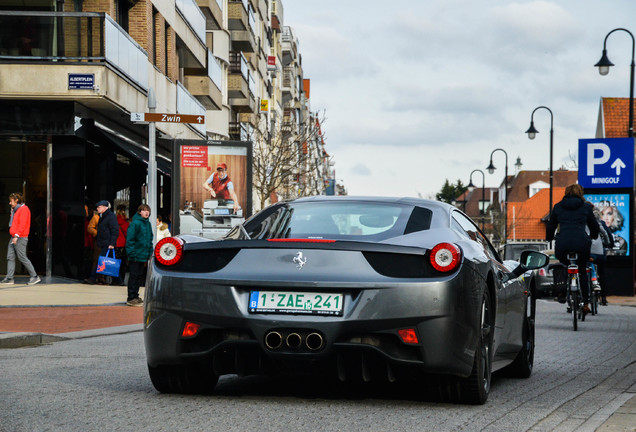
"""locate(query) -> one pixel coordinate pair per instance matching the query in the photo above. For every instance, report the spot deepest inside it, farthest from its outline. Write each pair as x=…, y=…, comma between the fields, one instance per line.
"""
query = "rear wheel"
x=594, y=302
x=522, y=366
x=575, y=309
x=475, y=388
x=184, y=379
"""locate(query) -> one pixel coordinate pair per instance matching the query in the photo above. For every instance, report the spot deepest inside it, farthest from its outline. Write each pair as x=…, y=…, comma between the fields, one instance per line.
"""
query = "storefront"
x=64, y=159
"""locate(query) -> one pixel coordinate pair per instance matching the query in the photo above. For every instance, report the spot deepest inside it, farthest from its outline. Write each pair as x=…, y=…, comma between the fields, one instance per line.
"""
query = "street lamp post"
x=471, y=186
x=491, y=169
x=532, y=133
x=603, y=66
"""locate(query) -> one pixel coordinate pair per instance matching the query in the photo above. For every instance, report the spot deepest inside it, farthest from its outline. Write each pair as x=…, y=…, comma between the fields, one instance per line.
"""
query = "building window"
x=122, y=8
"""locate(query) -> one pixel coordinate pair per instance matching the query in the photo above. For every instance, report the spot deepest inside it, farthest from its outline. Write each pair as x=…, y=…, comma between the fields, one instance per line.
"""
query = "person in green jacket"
x=139, y=251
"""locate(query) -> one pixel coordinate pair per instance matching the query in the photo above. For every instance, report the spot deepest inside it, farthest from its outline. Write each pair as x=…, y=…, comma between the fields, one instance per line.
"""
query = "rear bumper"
x=363, y=342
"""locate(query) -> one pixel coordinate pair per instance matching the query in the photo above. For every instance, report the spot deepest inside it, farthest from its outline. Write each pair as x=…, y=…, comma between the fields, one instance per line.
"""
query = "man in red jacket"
x=19, y=227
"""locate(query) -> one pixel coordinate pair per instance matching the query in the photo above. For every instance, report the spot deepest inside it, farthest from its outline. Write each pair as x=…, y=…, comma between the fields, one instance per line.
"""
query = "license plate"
x=295, y=303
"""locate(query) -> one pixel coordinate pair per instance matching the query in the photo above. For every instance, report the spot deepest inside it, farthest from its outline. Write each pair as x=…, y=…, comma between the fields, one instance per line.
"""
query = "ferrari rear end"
x=396, y=298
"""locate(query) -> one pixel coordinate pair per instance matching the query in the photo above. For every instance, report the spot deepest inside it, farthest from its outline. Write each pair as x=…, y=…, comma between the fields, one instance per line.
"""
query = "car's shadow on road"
x=425, y=389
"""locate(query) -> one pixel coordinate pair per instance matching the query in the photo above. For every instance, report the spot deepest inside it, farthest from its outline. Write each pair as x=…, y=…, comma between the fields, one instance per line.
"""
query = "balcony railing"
x=238, y=64
x=193, y=16
x=238, y=131
x=214, y=70
x=72, y=37
x=188, y=104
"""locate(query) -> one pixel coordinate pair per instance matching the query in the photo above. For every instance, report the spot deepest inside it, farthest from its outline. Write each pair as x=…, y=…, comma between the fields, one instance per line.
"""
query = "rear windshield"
x=343, y=220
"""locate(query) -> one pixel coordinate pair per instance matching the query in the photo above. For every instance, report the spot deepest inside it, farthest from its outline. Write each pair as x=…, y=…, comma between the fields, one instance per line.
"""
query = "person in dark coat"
x=107, y=232
x=139, y=250
x=571, y=216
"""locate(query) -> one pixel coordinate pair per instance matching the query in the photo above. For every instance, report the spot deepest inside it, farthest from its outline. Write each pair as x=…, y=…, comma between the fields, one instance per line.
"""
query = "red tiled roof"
x=524, y=218
x=615, y=117
x=520, y=192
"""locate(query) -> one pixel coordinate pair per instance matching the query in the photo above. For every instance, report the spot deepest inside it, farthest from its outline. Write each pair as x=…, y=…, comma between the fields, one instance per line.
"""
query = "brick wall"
x=140, y=24
x=107, y=6
x=173, y=58
x=160, y=42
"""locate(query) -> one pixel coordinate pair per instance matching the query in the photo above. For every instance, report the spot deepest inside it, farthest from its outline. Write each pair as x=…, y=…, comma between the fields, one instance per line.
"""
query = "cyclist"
x=571, y=215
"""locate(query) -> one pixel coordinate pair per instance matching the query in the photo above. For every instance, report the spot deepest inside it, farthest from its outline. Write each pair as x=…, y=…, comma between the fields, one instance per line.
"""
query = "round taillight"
x=445, y=257
x=169, y=250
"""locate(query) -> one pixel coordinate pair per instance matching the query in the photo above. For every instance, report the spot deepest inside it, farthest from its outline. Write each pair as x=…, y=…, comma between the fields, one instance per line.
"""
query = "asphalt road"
x=101, y=383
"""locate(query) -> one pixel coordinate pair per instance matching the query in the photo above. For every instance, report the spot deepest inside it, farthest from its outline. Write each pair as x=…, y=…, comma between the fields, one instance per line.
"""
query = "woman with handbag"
x=139, y=251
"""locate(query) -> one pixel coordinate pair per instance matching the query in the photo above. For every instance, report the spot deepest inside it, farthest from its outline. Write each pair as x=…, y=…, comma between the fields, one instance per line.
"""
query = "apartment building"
x=73, y=71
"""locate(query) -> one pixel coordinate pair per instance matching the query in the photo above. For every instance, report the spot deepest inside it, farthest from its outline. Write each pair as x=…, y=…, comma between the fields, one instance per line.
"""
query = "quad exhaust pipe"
x=294, y=340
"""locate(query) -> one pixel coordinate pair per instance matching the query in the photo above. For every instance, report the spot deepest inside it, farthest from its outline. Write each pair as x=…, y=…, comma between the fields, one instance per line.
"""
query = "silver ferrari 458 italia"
x=360, y=288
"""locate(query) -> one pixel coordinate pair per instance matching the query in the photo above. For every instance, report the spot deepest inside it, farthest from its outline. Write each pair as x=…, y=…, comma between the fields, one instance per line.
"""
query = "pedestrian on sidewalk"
x=139, y=251
x=107, y=232
x=120, y=247
x=19, y=227
x=162, y=229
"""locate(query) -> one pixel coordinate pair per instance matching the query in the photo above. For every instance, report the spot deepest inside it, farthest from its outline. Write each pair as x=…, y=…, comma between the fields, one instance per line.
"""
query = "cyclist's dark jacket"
x=572, y=215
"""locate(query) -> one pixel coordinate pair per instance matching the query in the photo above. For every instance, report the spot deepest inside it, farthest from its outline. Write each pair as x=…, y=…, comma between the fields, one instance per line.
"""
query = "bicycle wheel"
x=575, y=310
x=594, y=302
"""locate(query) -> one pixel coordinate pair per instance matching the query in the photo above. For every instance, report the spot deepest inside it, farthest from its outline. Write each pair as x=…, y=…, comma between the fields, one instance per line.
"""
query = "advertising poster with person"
x=214, y=182
x=614, y=210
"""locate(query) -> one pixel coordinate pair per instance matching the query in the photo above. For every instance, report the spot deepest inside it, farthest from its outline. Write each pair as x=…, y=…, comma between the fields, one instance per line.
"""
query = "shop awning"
x=97, y=135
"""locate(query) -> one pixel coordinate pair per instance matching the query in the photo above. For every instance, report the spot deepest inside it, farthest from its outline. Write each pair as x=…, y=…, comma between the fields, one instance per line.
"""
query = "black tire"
x=183, y=379
x=522, y=366
x=594, y=303
x=475, y=388
x=575, y=310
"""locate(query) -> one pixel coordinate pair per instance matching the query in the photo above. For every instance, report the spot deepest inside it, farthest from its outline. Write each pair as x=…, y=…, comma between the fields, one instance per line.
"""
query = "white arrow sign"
x=618, y=165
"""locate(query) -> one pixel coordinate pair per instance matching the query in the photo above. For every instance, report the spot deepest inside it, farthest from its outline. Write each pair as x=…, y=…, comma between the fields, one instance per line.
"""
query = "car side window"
x=474, y=234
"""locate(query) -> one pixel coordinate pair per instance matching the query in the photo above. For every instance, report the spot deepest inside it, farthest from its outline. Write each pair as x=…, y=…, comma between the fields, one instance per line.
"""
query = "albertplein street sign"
x=167, y=118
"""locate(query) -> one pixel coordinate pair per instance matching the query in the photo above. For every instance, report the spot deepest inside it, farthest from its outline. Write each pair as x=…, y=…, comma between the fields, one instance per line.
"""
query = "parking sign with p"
x=606, y=163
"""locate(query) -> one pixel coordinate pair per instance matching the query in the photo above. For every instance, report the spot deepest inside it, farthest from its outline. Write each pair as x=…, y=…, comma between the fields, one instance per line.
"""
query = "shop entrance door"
x=23, y=168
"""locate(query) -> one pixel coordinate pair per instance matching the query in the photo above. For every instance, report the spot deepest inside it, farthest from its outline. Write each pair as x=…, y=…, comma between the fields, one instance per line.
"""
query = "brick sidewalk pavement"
x=56, y=320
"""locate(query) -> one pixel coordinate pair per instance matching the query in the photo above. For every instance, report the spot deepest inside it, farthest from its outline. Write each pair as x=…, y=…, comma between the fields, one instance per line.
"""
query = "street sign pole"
x=150, y=118
x=152, y=165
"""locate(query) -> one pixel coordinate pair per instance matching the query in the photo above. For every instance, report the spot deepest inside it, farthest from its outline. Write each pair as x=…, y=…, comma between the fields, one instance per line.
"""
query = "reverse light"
x=169, y=251
x=190, y=329
x=445, y=257
x=409, y=336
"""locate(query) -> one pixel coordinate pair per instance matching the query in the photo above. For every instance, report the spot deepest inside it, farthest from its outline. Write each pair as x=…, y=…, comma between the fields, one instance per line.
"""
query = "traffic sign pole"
x=150, y=118
x=152, y=166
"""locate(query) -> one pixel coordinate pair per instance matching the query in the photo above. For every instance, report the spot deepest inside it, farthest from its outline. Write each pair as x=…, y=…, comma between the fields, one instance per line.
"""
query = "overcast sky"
x=420, y=91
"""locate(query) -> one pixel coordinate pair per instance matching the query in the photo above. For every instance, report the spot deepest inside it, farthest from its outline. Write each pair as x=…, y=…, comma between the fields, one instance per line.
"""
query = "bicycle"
x=574, y=297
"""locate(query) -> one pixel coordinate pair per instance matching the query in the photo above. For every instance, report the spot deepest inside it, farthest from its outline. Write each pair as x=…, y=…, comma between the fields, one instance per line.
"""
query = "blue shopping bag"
x=107, y=265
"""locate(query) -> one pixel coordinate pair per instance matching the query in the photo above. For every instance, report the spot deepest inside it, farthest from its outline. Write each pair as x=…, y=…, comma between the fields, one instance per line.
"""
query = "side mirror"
x=529, y=260
x=533, y=260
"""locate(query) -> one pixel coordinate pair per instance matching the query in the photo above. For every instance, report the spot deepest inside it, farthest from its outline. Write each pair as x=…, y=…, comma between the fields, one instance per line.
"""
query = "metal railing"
x=238, y=64
x=193, y=16
x=81, y=37
x=215, y=72
x=238, y=131
x=188, y=104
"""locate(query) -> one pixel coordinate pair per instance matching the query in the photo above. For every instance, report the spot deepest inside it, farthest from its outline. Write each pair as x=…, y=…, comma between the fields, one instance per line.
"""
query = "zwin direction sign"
x=606, y=163
x=167, y=118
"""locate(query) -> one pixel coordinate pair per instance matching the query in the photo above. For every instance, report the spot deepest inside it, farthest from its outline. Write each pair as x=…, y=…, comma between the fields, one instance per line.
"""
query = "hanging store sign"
x=271, y=63
x=264, y=105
